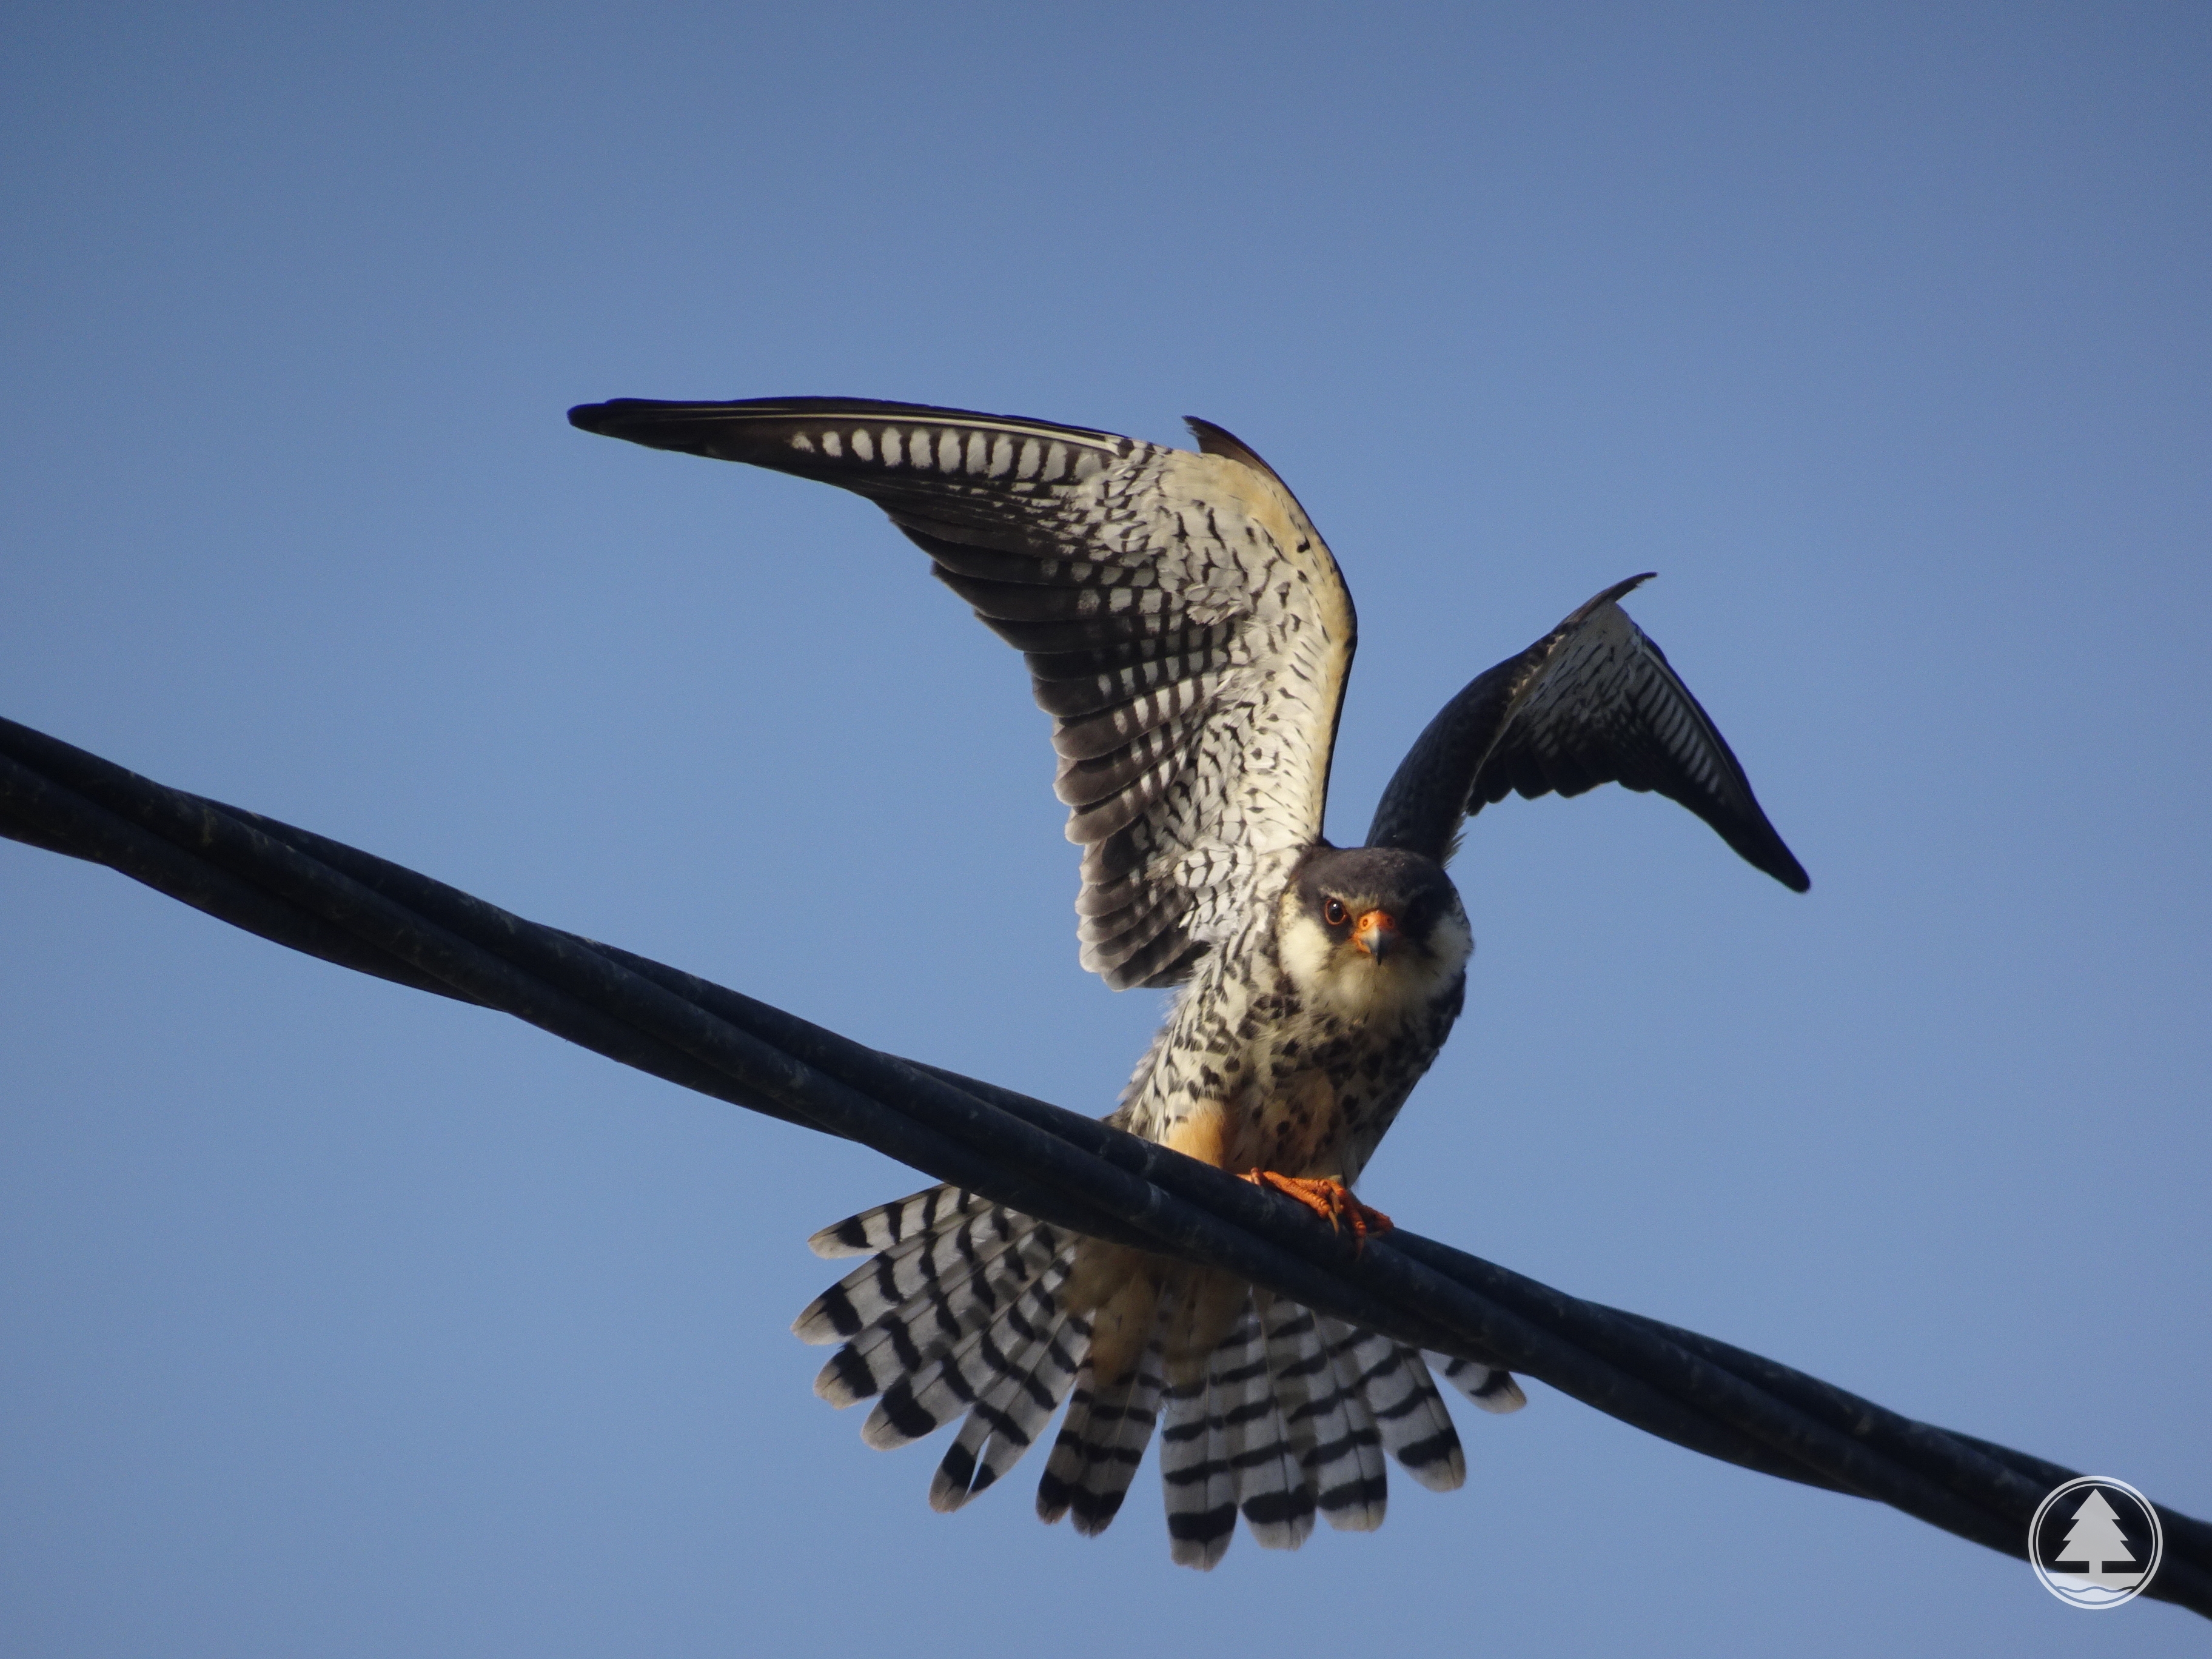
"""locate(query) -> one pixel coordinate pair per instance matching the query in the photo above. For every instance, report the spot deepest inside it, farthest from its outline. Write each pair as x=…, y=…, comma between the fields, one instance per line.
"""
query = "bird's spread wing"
x=1184, y=626
x=1593, y=701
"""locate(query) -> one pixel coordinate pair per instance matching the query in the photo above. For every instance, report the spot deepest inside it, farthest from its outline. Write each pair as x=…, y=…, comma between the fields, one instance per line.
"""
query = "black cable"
x=351, y=907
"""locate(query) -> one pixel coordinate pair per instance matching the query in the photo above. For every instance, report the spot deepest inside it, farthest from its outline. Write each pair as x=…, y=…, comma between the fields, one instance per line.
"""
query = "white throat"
x=1335, y=976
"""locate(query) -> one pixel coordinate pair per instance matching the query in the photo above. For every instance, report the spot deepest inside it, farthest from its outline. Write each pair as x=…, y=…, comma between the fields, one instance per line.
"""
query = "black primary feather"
x=1594, y=701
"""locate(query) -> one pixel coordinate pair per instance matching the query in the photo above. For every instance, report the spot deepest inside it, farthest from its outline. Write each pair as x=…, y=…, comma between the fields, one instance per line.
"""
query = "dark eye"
x=1334, y=914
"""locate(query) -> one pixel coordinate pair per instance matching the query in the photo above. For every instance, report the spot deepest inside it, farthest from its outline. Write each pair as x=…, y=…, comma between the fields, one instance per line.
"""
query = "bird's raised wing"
x=1593, y=701
x=1184, y=626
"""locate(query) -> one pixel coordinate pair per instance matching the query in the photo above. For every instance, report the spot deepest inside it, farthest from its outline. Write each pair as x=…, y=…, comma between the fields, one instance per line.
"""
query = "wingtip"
x=1621, y=589
x=1215, y=439
x=1761, y=846
x=1598, y=601
x=1781, y=863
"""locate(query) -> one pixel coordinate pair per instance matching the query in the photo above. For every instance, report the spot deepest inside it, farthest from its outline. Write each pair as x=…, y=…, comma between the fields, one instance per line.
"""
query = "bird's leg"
x=1329, y=1198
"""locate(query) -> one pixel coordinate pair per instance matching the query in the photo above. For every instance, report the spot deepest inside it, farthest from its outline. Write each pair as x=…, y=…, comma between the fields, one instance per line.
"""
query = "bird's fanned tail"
x=970, y=1310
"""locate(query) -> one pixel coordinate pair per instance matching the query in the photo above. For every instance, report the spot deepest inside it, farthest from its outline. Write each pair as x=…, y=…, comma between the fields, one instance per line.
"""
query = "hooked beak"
x=1376, y=933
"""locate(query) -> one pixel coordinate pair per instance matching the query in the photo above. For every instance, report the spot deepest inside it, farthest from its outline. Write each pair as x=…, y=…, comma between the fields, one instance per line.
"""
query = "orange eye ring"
x=1334, y=914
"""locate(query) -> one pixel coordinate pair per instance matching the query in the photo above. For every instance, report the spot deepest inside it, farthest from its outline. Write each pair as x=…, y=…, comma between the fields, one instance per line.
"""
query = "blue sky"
x=343, y=1320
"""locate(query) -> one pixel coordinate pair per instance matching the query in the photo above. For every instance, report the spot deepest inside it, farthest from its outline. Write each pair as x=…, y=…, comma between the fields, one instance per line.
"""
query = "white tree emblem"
x=2119, y=1545
x=2095, y=1538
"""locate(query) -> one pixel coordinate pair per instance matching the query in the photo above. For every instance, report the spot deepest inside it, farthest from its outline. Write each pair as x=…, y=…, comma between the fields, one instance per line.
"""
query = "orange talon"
x=1329, y=1198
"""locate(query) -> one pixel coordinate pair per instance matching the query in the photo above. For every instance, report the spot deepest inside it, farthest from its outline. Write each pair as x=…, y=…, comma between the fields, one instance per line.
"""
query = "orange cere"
x=1374, y=924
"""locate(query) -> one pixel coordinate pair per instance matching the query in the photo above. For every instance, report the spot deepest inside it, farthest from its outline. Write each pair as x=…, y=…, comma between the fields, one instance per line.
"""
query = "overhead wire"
x=351, y=907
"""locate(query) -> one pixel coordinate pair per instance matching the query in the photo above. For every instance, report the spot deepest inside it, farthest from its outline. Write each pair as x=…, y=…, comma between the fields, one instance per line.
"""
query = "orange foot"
x=1331, y=1200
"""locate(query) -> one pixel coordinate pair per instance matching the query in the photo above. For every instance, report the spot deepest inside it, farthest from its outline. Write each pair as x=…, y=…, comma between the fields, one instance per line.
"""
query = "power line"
x=351, y=907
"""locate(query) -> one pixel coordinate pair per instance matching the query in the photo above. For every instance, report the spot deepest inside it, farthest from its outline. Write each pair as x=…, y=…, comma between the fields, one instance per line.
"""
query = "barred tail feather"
x=1409, y=1413
x=1489, y=1386
x=1195, y=1478
x=1005, y=1422
x=940, y=1317
x=1351, y=1488
x=883, y=1227
x=1304, y=1384
x=1273, y=1492
x=1227, y=1450
x=1101, y=1443
x=886, y=1282
x=921, y=1401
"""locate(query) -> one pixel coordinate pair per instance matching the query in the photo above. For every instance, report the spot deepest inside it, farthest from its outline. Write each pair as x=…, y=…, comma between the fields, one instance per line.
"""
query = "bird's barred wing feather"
x=1593, y=701
x=1184, y=626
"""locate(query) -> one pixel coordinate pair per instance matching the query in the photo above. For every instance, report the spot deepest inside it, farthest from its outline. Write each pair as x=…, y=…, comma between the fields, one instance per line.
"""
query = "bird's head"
x=1372, y=931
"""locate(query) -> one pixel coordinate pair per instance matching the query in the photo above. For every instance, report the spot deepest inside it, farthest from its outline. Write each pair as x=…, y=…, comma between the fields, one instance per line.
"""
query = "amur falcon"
x=1190, y=636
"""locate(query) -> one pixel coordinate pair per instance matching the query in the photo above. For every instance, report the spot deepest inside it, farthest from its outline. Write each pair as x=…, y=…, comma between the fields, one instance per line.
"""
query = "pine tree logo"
x=2095, y=1543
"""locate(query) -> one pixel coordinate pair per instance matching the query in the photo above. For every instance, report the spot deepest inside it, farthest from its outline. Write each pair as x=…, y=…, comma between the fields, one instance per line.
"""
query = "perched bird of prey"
x=1190, y=636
